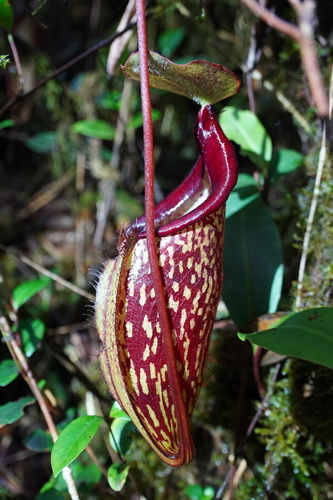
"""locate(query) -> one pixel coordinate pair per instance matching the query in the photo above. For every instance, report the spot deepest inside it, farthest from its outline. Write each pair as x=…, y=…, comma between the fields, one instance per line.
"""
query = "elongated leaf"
x=121, y=435
x=202, y=81
x=39, y=440
x=72, y=441
x=283, y=162
x=170, y=40
x=43, y=142
x=137, y=120
x=245, y=128
x=117, y=475
x=253, y=270
x=32, y=332
x=6, y=15
x=246, y=191
x=307, y=335
x=10, y=412
x=117, y=412
x=6, y=123
x=98, y=129
x=23, y=292
x=8, y=372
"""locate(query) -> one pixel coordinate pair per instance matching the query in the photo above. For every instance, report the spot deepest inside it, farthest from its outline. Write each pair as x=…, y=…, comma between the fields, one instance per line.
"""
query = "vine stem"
x=181, y=412
x=22, y=364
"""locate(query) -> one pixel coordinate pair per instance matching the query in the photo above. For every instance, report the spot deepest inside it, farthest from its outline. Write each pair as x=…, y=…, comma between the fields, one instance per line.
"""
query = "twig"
x=64, y=67
x=17, y=61
x=313, y=207
x=273, y=20
x=303, y=34
x=28, y=376
x=49, y=274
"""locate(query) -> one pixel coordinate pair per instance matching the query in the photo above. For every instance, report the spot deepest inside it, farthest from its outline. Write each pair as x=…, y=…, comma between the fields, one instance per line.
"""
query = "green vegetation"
x=71, y=177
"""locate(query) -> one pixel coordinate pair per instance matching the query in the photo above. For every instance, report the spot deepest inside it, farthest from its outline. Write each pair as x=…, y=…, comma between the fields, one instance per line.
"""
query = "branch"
x=95, y=48
x=273, y=20
x=22, y=364
x=303, y=34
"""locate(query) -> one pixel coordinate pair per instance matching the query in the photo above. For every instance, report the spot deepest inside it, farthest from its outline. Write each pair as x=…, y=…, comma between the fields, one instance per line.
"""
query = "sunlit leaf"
x=307, y=335
x=202, y=81
x=97, y=129
x=117, y=412
x=283, y=162
x=117, y=475
x=8, y=372
x=72, y=441
x=10, y=412
x=23, y=292
x=4, y=60
x=244, y=128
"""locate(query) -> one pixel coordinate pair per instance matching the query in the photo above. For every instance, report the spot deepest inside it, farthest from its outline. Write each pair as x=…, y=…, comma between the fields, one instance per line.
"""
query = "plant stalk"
x=181, y=412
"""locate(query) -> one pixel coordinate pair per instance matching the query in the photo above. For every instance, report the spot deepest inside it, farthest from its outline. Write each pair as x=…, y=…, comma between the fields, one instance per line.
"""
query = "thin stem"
x=20, y=97
x=28, y=376
x=308, y=232
x=49, y=274
x=183, y=430
x=17, y=61
x=303, y=34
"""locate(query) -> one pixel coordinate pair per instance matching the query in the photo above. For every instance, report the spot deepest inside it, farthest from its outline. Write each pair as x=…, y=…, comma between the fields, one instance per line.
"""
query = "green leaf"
x=117, y=475
x=6, y=15
x=246, y=191
x=110, y=100
x=88, y=474
x=43, y=142
x=39, y=440
x=10, y=412
x=8, y=372
x=98, y=129
x=194, y=491
x=6, y=123
x=50, y=494
x=32, y=332
x=23, y=292
x=307, y=335
x=72, y=441
x=244, y=128
x=283, y=162
x=202, y=81
x=117, y=412
x=253, y=270
x=169, y=41
x=136, y=121
x=4, y=60
x=121, y=435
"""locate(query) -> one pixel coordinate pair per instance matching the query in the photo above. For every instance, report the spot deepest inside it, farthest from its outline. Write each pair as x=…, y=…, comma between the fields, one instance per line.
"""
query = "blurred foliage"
x=67, y=191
